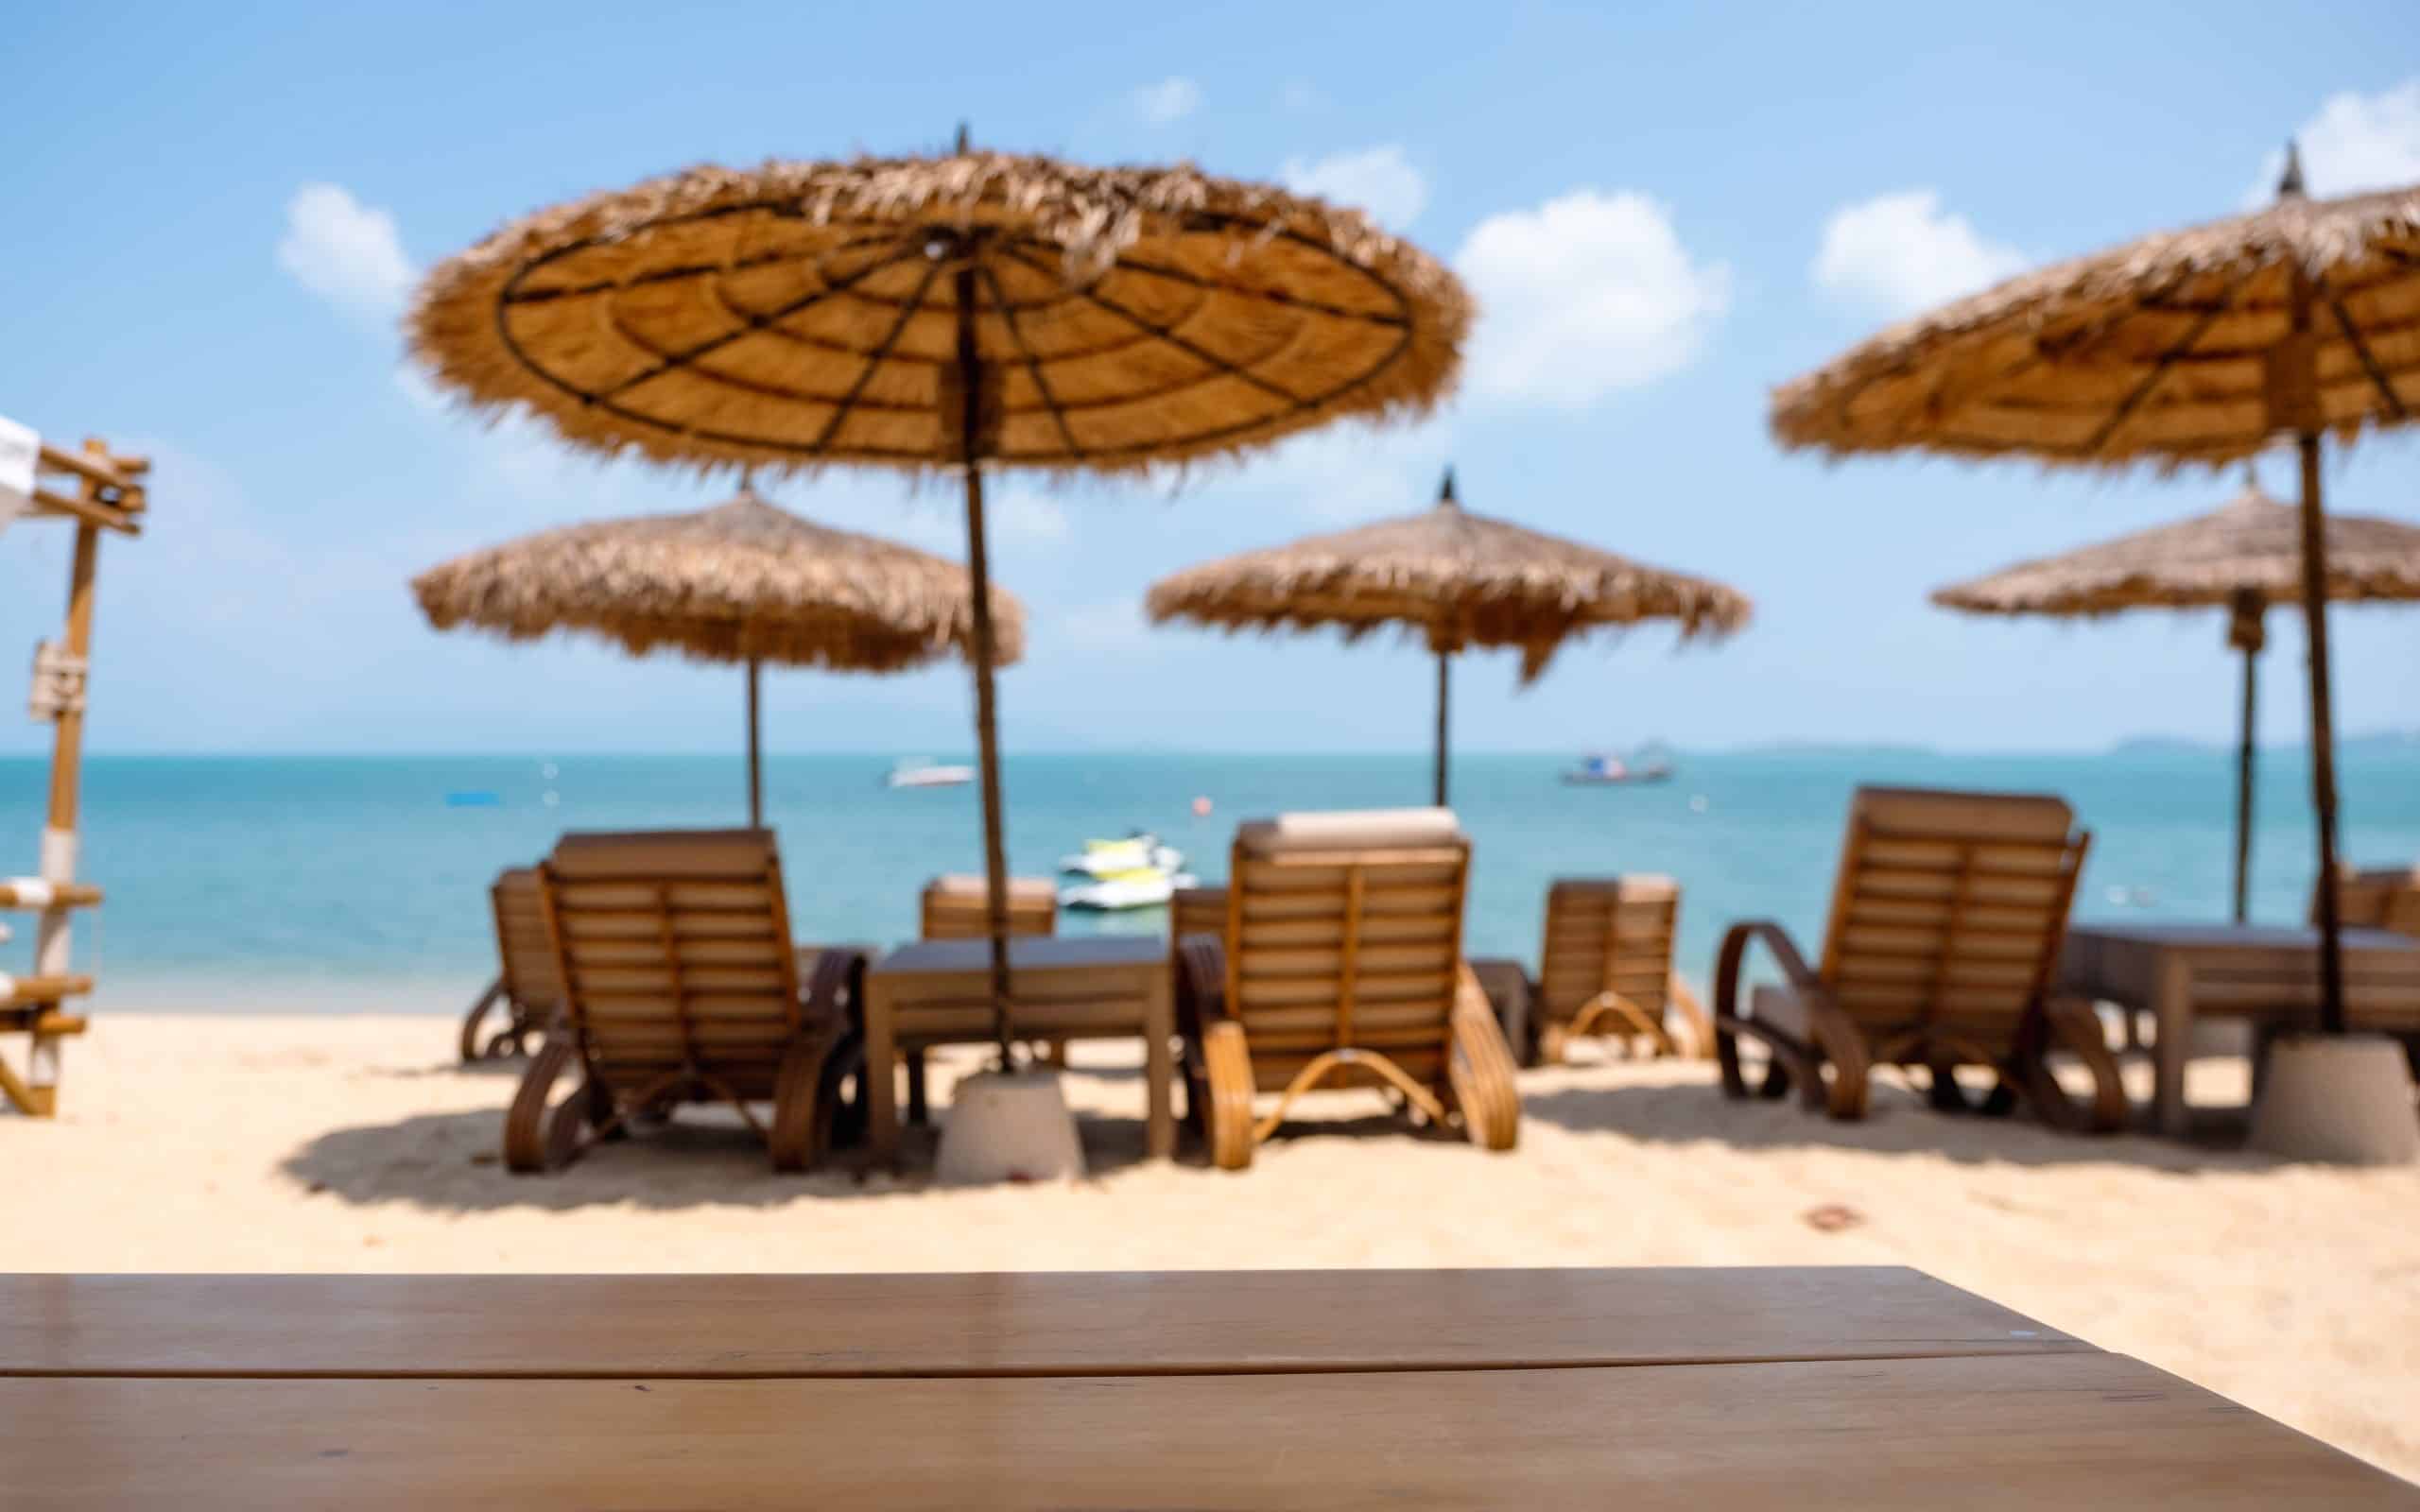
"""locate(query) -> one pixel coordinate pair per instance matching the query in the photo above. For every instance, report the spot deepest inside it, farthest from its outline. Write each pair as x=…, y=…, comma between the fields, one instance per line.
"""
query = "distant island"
x=2375, y=743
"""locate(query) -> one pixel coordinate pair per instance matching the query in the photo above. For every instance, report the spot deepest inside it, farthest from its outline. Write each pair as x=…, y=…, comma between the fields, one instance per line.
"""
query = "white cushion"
x=1350, y=829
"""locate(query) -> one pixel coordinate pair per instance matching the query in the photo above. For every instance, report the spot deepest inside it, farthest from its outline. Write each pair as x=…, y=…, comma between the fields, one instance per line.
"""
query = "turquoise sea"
x=346, y=884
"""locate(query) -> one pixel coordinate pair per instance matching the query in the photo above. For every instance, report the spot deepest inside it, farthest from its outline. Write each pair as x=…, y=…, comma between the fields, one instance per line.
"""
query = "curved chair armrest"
x=1736, y=941
x=833, y=990
x=1201, y=982
x=1830, y=1030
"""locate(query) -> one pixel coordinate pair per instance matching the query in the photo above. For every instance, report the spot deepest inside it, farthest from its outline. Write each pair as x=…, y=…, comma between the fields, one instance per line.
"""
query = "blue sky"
x=1664, y=208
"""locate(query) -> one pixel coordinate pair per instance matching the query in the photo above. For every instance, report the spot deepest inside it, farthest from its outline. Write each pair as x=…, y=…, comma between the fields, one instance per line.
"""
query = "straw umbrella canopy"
x=2241, y=556
x=742, y=582
x=1455, y=579
x=2200, y=346
x=937, y=316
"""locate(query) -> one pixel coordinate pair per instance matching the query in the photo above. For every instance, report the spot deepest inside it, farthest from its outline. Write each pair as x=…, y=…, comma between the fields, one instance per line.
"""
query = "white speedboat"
x=1139, y=852
x=1144, y=888
x=928, y=774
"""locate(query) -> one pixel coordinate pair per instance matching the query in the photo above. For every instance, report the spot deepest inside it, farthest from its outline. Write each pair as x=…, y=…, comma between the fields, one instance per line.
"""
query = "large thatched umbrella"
x=2241, y=556
x=943, y=316
x=743, y=582
x=2200, y=346
x=1455, y=579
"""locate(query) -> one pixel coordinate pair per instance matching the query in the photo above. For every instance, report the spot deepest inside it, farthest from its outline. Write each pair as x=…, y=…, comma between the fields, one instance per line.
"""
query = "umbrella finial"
x=2289, y=185
x=1445, y=492
x=962, y=147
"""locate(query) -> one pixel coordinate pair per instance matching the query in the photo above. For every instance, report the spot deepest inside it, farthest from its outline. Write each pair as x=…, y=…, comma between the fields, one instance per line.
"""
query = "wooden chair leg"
x=1227, y=1070
x=531, y=1145
x=805, y=1105
x=917, y=1113
x=2076, y=1029
x=468, y=1044
x=1480, y=1070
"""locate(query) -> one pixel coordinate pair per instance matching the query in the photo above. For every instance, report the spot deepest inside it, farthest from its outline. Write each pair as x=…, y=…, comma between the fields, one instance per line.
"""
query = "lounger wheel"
x=539, y=1137
x=1226, y=1068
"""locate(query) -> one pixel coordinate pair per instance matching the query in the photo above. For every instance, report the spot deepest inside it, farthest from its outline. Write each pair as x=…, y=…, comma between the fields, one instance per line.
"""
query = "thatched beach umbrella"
x=1457, y=580
x=2200, y=346
x=943, y=316
x=2241, y=556
x=742, y=582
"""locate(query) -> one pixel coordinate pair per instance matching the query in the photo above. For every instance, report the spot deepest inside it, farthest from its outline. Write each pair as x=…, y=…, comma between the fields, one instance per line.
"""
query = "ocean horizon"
x=300, y=883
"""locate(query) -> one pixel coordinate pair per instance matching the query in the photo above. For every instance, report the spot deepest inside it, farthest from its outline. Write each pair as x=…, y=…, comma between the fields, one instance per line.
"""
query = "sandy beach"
x=291, y=1143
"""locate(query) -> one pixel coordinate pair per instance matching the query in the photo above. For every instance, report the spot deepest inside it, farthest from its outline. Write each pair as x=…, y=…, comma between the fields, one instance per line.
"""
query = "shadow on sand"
x=1899, y=1122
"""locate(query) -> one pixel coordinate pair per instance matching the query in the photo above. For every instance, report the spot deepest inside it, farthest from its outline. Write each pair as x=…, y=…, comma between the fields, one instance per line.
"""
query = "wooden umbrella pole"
x=1445, y=700
x=755, y=760
x=995, y=863
x=2244, y=765
x=2323, y=729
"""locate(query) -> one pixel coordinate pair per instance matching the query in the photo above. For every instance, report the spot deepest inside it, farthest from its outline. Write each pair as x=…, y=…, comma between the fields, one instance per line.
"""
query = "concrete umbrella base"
x=2345, y=1098
x=1008, y=1126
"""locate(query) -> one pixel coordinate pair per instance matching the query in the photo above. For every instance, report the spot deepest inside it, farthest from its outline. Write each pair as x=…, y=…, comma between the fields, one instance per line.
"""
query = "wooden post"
x=2247, y=634
x=996, y=863
x=755, y=761
x=2293, y=396
x=1445, y=690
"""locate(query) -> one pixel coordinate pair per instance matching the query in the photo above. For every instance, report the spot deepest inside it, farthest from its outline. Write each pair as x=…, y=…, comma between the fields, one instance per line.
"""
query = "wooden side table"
x=937, y=993
x=2265, y=973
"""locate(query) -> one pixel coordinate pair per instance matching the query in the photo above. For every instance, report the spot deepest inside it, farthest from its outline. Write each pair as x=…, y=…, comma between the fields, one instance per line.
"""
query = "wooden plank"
x=2083, y=1429
x=948, y=955
x=1043, y=1323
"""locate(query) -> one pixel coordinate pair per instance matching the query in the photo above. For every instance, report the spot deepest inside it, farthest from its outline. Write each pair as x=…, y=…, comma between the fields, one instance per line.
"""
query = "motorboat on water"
x=928, y=774
x=1138, y=852
x=1602, y=768
x=1144, y=888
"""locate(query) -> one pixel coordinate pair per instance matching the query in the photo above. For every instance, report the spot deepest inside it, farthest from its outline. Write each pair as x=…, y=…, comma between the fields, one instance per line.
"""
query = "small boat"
x=928, y=774
x=1138, y=852
x=1144, y=888
x=1603, y=769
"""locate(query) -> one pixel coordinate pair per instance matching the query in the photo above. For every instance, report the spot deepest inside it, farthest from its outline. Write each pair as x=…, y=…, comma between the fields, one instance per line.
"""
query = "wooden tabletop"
x=1037, y=951
x=1802, y=1388
x=1113, y=1323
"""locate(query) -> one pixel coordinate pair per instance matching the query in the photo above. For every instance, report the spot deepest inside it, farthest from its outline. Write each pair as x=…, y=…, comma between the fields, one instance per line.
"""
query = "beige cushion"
x=966, y=885
x=1350, y=829
x=666, y=853
x=1936, y=812
x=1636, y=886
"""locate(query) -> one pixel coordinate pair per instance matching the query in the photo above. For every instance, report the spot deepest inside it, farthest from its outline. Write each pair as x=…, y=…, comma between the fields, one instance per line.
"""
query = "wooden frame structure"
x=1946, y=921
x=679, y=984
x=527, y=985
x=956, y=905
x=98, y=490
x=1605, y=967
x=1340, y=963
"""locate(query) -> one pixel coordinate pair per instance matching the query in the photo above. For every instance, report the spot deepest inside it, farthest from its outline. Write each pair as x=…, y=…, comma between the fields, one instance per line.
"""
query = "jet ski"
x=1139, y=852
x=1143, y=887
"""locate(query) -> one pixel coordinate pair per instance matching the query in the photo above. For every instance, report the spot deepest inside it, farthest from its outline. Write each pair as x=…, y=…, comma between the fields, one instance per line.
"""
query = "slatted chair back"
x=952, y=907
x=2378, y=898
x=1608, y=935
x=1950, y=908
x=1197, y=911
x=1344, y=931
x=674, y=952
x=525, y=952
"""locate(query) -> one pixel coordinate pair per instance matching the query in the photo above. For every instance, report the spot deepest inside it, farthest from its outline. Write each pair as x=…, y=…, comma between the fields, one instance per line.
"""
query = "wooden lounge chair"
x=526, y=985
x=1342, y=962
x=1605, y=968
x=952, y=907
x=679, y=984
x=1947, y=921
x=2378, y=898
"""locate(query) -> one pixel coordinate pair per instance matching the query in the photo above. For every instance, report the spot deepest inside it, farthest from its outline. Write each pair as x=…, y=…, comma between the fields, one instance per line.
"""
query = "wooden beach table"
x=1804, y=1388
x=939, y=992
x=2264, y=974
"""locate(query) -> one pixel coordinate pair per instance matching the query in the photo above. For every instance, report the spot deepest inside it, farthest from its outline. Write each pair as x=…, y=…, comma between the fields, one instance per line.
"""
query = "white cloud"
x=1380, y=180
x=1586, y=294
x=345, y=251
x=2356, y=143
x=1901, y=253
x=1113, y=624
x=1169, y=100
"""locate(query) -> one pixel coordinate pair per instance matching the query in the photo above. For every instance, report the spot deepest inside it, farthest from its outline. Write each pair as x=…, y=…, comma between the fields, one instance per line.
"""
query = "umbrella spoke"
x=2362, y=354
x=755, y=323
x=1032, y=363
x=2167, y=360
x=1291, y=301
x=1190, y=348
x=873, y=359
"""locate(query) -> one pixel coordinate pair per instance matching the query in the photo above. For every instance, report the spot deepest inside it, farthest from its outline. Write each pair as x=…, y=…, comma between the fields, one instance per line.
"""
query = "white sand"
x=198, y=1144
